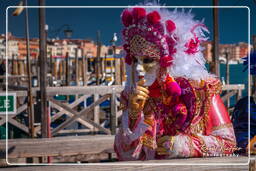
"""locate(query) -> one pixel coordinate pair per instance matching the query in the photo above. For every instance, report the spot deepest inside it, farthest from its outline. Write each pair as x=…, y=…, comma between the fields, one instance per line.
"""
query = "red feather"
x=138, y=13
x=165, y=61
x=154, y=17
x=127, y=18
x=170, y=26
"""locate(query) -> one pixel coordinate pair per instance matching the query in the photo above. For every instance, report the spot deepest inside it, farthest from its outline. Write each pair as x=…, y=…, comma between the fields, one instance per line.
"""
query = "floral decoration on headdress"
x=143, y=29
x=173, y=37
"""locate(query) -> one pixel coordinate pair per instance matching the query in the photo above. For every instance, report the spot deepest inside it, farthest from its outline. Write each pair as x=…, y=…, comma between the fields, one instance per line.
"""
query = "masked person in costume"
x=171, y=104
x=241, y=113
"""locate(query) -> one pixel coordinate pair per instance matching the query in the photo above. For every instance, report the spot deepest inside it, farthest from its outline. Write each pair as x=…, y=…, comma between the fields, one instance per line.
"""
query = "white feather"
x=194, y=66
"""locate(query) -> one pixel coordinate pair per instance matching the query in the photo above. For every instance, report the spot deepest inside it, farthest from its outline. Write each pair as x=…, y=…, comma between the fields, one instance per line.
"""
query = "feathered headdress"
x=173, y=37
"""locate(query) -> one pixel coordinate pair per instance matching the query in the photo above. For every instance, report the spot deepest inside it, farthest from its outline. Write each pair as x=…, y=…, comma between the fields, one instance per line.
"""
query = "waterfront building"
x=235, y=51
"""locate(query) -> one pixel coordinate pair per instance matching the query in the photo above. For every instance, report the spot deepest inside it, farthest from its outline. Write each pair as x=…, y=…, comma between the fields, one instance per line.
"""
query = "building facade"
x=234, y=52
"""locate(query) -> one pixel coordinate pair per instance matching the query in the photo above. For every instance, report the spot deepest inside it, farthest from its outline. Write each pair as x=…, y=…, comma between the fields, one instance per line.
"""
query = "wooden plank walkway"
x=145, y=166
x=128, y=168
x=58, y=146
x=79, y=145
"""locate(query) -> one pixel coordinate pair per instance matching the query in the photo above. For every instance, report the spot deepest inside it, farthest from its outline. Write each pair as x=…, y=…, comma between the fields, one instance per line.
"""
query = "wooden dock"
x=145, y=166
x=98, y=144
x=58, y=146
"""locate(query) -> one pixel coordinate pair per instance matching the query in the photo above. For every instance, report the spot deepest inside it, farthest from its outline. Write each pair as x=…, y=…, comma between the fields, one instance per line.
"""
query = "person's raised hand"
x=138, y=97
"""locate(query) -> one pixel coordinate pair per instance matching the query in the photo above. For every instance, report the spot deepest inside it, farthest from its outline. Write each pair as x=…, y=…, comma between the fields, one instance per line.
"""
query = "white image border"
x=130, y=163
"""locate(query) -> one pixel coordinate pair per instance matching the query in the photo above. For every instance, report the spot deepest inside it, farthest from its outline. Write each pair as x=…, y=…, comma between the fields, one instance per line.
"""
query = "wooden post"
x=227, y=75
x=101, y=67
x=38, y=69
x=63, y=73
x=55, y=69
x=77, y=68
x=30, y=96
x=51, y=64
x=16, y=67
x=13, y=67
x=214, y=67
x=112, y=65
x=25, y=68
x=80, y=68
x=19, y=67
x=117, y=67
x=105, y=66
x=52, y=70
x=85, y=68
x=122, y=67
x=42, y=42
x=67, y=69
x=96, y=110
x=60, y=69
x=97, y=59
x=113, y=122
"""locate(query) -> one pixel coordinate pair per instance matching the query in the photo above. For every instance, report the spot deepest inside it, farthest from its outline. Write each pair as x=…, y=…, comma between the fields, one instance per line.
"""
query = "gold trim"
x=149, y=121
x=148, y=141
x=227, y=125
x=190, y=146
x=140, y=46
x=172, y=139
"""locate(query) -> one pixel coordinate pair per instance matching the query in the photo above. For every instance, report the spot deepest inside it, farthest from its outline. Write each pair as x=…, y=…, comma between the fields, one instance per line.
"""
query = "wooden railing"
x=11, y=117
x=230, y=91
x=100, y=94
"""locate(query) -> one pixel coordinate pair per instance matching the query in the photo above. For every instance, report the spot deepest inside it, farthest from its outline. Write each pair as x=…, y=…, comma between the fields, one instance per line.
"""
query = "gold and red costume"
x=202, y=127
x=183, y=115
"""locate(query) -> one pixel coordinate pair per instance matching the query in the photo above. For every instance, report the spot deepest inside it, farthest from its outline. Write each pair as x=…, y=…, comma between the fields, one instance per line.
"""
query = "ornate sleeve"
x=210, y=132
x=136, y=137
x=218, y=140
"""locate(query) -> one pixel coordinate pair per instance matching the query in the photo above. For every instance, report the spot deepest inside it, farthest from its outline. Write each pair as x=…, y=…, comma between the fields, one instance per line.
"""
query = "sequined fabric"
x=200, y=127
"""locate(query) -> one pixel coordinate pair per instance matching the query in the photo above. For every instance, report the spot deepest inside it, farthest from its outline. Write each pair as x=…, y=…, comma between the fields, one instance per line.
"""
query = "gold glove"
x=162, y=140
x=137, y=99
x=161, y=150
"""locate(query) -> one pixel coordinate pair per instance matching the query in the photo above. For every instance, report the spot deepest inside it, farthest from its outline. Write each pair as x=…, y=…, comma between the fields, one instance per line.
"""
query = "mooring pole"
x=97, y=60
x=227, y=74
x=85, y=66
x=30, y=96
x=67, y=68
x=77, y=66
x=215, y=68
x=42, y=59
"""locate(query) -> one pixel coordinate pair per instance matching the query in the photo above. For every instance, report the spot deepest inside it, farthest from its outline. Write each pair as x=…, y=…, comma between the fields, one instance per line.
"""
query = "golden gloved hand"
x=161, y=149
x=138, y=97
x=162, y=140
